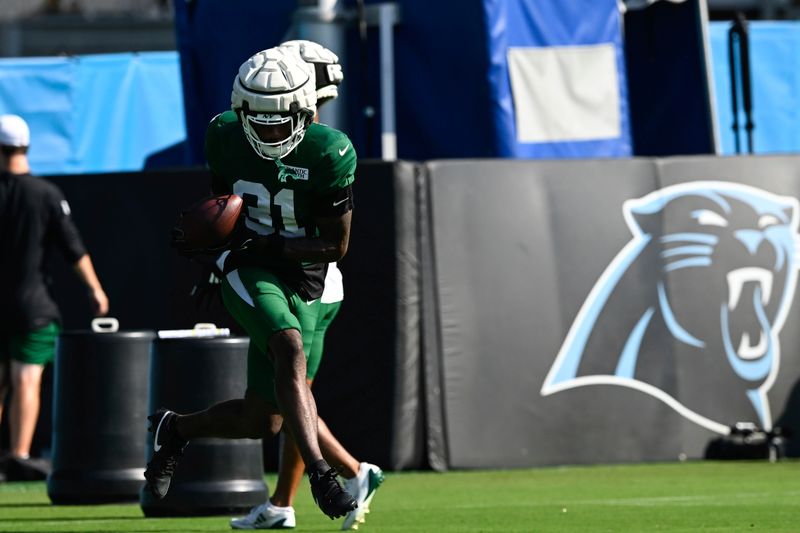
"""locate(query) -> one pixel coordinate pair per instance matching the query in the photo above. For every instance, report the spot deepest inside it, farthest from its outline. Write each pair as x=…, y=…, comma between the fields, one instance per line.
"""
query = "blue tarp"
x=578, y=25
x=96, y=113
x=775, y=74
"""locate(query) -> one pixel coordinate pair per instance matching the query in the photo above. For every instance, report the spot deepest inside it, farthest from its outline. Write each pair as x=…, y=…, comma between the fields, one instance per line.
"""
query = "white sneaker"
x=362, y=487
x=266, y=516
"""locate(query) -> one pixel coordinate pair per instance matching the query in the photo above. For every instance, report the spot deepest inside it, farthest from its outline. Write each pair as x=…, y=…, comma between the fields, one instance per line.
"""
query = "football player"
x=361, y=479
x=295, y=177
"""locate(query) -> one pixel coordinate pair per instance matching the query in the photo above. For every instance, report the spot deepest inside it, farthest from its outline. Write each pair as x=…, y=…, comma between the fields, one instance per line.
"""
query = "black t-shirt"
x=34, y=221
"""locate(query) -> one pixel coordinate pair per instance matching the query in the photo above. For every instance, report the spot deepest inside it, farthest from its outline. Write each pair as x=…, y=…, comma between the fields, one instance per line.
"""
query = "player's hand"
x=178, y=241
x=207, y=290
x=99, y=302
x=255, y=252
x=180, y=245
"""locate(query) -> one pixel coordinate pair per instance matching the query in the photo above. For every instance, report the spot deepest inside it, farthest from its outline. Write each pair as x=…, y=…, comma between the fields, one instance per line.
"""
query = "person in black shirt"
x=34, y=222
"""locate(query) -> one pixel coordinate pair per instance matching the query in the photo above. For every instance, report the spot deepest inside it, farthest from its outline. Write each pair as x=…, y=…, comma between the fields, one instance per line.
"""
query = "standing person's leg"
x=5, y=371
x=23, y=412
x=5, y=376
x=29, y=353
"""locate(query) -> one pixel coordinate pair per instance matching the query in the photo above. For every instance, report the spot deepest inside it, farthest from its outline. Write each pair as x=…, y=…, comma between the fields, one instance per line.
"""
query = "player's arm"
x=331, y=245
x=63, y=229
x=84, y=269
x=332, y=216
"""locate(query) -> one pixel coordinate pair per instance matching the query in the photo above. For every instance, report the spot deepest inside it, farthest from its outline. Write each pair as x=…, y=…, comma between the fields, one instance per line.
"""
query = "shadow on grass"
x=25, y=504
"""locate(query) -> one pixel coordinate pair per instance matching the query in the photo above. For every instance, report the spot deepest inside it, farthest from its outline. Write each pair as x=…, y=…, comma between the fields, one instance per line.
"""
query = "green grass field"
x=690, y=497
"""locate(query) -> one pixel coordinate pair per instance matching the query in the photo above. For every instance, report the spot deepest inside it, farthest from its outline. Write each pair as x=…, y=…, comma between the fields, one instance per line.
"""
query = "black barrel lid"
x=108, y=327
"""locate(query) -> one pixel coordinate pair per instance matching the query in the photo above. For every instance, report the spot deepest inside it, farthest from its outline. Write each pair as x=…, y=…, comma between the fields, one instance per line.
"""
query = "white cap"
x=14, y=131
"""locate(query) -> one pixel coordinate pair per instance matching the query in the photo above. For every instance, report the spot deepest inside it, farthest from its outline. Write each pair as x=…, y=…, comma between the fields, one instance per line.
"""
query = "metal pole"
x=747, y=90
x=387, y=20
x=739, y=60
x=732, y=48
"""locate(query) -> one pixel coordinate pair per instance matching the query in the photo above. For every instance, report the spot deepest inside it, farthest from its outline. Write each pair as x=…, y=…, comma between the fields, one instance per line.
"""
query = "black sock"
x=318, y=467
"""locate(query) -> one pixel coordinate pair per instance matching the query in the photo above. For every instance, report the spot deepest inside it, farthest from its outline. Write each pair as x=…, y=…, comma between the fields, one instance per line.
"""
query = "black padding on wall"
x=368, y=387
x=575, y=311
x=516, y=246
x=778, y=175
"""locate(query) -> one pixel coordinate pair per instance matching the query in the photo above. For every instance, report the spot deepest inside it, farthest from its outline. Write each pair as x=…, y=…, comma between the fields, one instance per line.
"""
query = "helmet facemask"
x=275, y=135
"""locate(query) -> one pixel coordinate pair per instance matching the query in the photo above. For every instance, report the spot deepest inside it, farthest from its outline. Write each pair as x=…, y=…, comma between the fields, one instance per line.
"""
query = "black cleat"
x=167, y=449
x=329, y=495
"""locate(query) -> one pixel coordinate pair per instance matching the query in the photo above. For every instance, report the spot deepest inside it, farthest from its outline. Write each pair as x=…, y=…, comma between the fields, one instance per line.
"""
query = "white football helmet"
x=325, y=64
x=275, y=98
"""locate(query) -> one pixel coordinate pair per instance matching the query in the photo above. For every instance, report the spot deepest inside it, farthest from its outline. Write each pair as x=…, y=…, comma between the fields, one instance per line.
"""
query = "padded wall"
x=778, y=391
x=368, y=388
x=575, y=319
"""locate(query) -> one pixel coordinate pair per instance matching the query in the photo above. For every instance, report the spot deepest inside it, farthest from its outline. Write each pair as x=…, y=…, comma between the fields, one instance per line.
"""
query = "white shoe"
x=266, y=516
x=362, y=487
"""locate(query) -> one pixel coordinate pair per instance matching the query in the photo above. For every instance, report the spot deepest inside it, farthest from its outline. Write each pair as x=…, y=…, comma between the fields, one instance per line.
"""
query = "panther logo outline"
x=758, y=288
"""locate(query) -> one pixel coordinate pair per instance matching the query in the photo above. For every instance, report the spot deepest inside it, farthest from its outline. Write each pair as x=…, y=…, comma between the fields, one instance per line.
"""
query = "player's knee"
x=255, y=425
x=27, y=377
x=275, y=425
x=258, y=420
x=286, y=343
x=286, y=346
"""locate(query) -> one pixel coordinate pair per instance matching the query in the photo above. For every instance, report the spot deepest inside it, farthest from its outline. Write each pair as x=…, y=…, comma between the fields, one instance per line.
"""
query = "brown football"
x=209, y=222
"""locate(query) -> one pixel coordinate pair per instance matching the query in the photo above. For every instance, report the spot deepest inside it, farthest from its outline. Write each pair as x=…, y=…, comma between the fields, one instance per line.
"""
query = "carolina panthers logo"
x=691, y=309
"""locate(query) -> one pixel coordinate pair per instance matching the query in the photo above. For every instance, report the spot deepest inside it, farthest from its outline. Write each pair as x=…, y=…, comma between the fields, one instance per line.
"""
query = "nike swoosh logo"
x=156, y=445
x=340, y=202
x=344, y=150
x=311, y=302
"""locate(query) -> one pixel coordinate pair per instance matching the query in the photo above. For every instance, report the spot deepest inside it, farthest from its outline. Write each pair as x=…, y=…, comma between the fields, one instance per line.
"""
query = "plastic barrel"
x=99, y=410
x=214, y=476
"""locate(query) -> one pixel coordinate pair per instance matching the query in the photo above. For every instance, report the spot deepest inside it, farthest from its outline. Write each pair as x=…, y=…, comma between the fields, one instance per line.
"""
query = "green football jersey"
x=287, y=195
